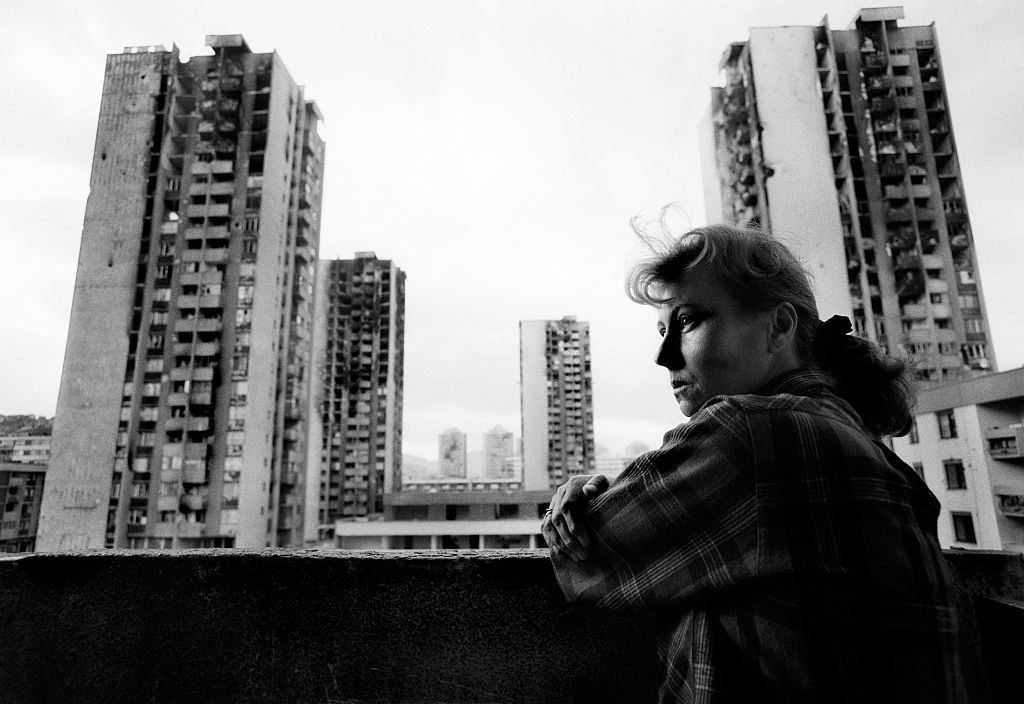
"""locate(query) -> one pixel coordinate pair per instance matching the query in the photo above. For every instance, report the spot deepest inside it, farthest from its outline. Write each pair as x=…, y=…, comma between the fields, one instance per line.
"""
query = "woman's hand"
x=562, y=528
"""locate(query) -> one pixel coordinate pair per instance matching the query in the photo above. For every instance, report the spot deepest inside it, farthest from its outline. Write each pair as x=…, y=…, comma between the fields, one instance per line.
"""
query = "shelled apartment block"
x=557, y=401
x=359, y=341
x=840, y=142
x=181, y=416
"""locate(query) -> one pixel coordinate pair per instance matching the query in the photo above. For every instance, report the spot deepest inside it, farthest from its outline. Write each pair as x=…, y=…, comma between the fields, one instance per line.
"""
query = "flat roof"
x=879, y=14
x=1000, y=386
x=429, y=498
x=22, y=467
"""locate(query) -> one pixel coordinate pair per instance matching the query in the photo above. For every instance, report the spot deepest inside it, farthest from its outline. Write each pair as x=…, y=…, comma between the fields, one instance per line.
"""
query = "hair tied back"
x=835, y=326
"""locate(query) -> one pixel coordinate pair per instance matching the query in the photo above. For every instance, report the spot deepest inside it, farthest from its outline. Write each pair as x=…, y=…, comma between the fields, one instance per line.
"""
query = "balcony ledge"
x=423, y=626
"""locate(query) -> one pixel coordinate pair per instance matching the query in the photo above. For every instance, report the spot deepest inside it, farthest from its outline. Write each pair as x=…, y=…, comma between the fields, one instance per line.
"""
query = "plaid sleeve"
x=679, y=523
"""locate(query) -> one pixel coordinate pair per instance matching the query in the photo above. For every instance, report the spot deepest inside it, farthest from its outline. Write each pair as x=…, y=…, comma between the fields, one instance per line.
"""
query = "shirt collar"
x=798, y=382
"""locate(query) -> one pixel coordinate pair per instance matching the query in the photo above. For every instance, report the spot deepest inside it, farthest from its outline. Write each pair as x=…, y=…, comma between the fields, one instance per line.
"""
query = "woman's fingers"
x=563, y=527
x=596, y=485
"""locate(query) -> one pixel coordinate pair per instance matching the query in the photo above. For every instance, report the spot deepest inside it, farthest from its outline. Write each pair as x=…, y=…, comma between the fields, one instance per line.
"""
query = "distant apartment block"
x=467, y=520
x=499, y=453
x=21, y=491
x=34, y=449
x=451, y=454
x=181, y=416
x=359, y=345
x=968, y=444
x=841, y=142
x=557, y=403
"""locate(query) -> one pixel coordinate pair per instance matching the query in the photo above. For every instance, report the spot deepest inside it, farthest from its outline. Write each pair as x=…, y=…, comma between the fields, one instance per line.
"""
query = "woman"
x=789, y=554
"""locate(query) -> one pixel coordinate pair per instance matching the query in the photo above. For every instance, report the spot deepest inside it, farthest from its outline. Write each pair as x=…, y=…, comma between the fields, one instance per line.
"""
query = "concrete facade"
x=557, y=402
x=841, y=143
x=968, y=443
x=180, y=420
x=784, y=67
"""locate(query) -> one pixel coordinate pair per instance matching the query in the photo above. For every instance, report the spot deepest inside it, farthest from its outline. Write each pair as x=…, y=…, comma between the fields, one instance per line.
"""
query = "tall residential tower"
x=359, y=345
x=180, y=418
x=841, y=143
x=557, y=401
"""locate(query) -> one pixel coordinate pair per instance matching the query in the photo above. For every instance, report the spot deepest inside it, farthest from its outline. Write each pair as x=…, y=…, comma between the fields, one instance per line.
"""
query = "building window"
x=963, y=527
x=956, y=479
x=912, y=435
x=947, y=424
x=918, y=469
x=506, y=511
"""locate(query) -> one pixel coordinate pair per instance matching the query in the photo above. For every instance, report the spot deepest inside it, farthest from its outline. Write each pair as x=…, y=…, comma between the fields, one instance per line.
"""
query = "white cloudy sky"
x=495, y=149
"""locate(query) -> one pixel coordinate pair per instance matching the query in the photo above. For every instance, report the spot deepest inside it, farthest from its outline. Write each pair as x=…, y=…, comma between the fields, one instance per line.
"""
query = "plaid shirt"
x=790, y=556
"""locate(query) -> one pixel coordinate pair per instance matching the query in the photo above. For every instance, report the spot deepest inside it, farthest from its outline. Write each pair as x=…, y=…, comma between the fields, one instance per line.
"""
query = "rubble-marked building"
x=968, y=444
x=359, y=345
x=180, y=419
x=557, y=402
x=841, y=143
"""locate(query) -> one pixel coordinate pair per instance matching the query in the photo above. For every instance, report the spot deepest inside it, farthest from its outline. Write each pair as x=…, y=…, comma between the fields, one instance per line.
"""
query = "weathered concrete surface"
x=294, y=626
x=993, y=619
x=332, y=627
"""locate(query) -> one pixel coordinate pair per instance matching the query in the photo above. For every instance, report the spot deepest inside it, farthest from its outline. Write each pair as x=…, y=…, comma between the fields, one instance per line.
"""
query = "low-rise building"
x=461, y=520
x=968, y=444
x=21, y=493
x=32, y=449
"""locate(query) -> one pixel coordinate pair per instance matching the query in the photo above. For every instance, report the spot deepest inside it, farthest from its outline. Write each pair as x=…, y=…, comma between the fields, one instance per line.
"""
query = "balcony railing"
x=437, y=626
x=1006, y=443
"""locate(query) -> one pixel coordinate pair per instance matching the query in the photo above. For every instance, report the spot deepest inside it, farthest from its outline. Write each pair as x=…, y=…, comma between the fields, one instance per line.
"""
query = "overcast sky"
x=495, y=150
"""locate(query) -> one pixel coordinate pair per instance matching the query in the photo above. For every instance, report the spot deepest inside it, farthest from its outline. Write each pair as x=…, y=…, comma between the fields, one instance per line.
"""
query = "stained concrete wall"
x=801, y=193
x=293, y=626
x=304, y=626
x=74, y=510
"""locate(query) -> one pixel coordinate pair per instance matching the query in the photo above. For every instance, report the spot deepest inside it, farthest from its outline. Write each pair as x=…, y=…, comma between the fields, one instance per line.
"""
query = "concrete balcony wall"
x=306, y=626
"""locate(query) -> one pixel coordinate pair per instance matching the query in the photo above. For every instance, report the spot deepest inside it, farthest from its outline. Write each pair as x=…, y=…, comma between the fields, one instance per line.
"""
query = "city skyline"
x=570, y=119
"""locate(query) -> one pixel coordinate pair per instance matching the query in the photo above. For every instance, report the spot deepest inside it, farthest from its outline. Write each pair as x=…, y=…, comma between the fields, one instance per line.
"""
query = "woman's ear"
x=782, y=321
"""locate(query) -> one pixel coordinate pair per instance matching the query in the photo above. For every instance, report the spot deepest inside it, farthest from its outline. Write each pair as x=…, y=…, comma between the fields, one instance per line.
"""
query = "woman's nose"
x=668, y=355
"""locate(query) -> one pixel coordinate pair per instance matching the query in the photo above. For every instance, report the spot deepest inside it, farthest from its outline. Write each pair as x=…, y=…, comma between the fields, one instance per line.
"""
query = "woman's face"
x=710, y=345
